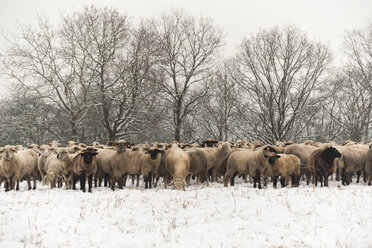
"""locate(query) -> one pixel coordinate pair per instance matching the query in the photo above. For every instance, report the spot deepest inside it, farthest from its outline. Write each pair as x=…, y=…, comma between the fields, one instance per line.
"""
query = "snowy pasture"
x=202, y=216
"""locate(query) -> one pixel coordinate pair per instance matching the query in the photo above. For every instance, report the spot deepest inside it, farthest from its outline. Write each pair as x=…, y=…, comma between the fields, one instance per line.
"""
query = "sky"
x=322, y=20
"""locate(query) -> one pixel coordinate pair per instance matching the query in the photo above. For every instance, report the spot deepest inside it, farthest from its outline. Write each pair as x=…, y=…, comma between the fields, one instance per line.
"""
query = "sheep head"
x=178, y=183
x=88, y=154
x=269, y=151
x=154, y=152
x=121, y=145
x=209, y=143
x=46, y=150
x=8, y=152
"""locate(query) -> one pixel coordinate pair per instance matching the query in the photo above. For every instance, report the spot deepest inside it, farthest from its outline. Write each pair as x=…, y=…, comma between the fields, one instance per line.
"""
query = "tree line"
x=97, y=76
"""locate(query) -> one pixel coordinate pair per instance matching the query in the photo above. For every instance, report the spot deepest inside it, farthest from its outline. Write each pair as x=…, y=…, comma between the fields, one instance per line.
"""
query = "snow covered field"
x=202, y=216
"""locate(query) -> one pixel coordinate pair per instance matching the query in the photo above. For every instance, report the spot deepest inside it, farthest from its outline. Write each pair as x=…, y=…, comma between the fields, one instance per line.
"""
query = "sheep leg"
x=156, y=181
x=17, y=187
x=282, y=181
x=138, y=178
x=34, y=179
x=205, y=176
x=9, y=180
x=82, y=181
x=90, y=179
x=75, y=178
x=369, y=179
x=337, y=174
x=106, y=179
x=133, y=179
x=325, y=181
x=364, y=176
x=358, y=176
x=95, y=182
x=113, y=182
x=150, y=180
x=275, y=181
x=6, y=186
x=28, y=179
x=228, y=178
x=321, y=180
x=308, y=176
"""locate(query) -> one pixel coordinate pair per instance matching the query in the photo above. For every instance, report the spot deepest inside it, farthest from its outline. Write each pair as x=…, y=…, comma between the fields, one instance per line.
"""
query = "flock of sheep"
x=176, y=163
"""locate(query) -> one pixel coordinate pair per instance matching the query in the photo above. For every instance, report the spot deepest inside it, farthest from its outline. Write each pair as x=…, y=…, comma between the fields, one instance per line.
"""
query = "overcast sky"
x=323, y=20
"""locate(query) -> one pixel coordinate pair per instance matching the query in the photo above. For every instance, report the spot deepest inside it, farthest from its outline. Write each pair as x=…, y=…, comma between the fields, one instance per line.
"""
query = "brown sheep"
x=352, y=160
x=177, y=164
x=54, y=144
x=369, y=165
x=252, y=162
x=242, y=144
x=66, y=164
x=322, y=164
x=303, y=152
x=71, y=143
x=53, y=169
x=286, y=166
x=198, y=164
x=124, y=162
x=3, y=177
x=215, y=156
x=84, y=165
x=18, y=164
x=45, y=152
x=209, y=143
x=104, y=168
x=150, y=161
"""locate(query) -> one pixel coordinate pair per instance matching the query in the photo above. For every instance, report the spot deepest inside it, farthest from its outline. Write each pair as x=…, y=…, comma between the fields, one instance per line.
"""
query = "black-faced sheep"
x=252, y=162
x=322, y=164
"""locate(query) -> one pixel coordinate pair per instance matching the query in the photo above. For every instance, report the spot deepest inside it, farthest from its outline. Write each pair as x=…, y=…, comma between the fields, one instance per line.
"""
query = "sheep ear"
x=13, y=150
x=94, y=153
x=277, y=156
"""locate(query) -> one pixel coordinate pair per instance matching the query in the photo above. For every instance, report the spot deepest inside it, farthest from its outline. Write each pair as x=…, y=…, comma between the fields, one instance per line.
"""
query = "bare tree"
x=217, y=112
x=282, y=73
x=37, y=60
x=359, y=51
x=189, y=49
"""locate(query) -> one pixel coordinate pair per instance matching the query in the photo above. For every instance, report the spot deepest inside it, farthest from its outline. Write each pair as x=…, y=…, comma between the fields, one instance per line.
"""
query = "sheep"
x=252, y=162
x=3, y=177
x=303, y=152
x=255, y=145
x=66, y=164
x=322, y=164
x=96, y=144
x=150, y=161
x=124, y=162
x=215, y=156
x=84, y=165
x=352, y=160
x=104, y=167
x=369, y=165
x=209, y=143
x=286, y=166
x=177, y=164
x=45, y=152
x=53, y=169
x=198, y=164
x=16, y=164
x=54, y=144
x=241, y=144
x=71, y=143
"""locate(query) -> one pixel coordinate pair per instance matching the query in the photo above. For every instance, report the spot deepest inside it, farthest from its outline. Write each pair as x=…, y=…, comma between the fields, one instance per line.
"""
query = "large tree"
x=281, y=72
x=188, y=53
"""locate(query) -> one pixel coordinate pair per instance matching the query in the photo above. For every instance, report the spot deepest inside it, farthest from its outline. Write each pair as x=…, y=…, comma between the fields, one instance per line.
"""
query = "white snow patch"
x=202, y=216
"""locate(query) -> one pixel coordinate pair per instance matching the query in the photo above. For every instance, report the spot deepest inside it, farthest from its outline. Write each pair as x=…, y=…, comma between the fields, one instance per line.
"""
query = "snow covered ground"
x=202, y=216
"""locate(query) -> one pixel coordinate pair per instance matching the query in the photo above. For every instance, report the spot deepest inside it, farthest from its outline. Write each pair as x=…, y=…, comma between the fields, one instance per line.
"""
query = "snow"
x=202, y=216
